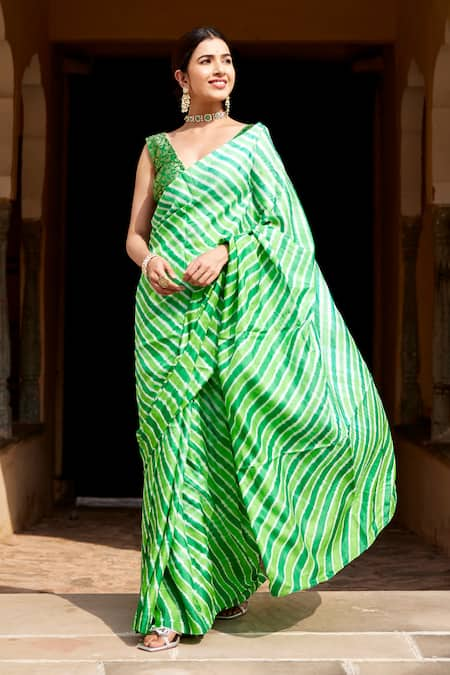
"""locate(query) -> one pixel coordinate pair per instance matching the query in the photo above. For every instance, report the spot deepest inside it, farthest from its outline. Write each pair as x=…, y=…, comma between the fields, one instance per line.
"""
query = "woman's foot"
x=159, y=639
x=234, y=612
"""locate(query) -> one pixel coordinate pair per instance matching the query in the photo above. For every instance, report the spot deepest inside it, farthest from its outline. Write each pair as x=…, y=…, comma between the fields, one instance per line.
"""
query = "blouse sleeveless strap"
x=152, y=145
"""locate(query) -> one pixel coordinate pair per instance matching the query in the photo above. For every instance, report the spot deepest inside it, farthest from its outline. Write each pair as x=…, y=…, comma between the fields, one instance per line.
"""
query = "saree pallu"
x=266, y=449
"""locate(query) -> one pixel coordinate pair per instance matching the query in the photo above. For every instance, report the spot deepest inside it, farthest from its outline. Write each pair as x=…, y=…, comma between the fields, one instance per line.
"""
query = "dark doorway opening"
x=320, y=114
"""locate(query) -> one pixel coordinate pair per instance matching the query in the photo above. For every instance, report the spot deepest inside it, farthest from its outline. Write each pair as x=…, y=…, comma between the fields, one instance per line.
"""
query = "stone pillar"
x=440, y=418
x=411, y=402
x=30, y=333
x=5, y=350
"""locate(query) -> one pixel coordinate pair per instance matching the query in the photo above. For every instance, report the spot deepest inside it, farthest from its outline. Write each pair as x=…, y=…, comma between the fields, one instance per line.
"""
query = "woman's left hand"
x=204, y=269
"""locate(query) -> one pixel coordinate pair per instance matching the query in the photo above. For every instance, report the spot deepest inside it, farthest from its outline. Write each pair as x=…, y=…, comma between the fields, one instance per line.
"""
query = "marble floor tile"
x=434, y=646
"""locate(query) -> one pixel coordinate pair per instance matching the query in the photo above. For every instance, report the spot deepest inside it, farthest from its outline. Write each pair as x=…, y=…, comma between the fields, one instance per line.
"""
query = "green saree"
x=265, y=446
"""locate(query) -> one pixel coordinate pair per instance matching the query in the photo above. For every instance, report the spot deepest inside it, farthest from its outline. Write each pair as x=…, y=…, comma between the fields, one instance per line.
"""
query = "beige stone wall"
x=364, y=20
x=25, y=484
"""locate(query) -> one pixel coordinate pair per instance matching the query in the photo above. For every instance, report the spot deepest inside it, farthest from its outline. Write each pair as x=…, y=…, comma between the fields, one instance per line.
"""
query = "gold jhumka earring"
x=185, y=101
x=227, y=105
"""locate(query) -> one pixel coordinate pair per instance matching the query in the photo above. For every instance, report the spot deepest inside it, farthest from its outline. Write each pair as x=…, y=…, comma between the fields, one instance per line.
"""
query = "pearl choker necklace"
x=207, y=117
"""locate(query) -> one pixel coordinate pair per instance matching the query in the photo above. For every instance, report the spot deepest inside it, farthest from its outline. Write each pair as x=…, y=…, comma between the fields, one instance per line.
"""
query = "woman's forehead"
x=213, y=46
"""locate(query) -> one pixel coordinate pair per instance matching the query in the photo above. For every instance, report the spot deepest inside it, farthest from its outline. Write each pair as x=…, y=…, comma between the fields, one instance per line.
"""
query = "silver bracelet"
x=145, y=262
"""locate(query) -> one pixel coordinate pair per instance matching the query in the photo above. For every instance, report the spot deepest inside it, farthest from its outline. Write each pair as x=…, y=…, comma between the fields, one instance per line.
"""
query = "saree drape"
x=266, y=449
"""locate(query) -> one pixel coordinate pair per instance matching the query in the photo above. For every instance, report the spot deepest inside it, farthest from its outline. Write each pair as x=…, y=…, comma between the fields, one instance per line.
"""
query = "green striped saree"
x=266, y=450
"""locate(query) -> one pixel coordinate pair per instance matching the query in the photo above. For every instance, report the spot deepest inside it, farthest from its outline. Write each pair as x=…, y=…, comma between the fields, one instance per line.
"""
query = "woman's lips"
x=219, y=84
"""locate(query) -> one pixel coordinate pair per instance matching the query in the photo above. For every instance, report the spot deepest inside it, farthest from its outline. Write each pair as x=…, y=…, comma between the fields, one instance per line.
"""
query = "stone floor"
x=68, y=593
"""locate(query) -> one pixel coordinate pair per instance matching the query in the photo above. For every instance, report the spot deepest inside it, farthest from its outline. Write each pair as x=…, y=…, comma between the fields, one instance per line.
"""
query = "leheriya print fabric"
x=265, y=446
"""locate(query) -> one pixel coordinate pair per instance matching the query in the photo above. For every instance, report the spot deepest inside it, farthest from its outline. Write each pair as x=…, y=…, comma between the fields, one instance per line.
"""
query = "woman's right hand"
x=159, y=271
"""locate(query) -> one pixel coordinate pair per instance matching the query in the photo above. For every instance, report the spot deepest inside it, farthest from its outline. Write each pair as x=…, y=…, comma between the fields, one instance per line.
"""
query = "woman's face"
x=210, y=73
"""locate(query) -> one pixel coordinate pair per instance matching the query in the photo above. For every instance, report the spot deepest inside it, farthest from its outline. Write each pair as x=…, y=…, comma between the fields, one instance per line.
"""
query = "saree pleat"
x=213, y=557
x=265, y=445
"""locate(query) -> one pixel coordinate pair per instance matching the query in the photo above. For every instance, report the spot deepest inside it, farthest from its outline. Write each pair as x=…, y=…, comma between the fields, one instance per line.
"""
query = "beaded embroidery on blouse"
x=166, y=162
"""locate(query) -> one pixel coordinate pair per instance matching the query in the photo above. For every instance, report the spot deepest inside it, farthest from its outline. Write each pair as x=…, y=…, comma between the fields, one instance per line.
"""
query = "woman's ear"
x=181, y=78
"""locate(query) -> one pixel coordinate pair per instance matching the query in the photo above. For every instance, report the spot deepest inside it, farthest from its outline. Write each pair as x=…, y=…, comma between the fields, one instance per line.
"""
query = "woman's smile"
x=218, y=84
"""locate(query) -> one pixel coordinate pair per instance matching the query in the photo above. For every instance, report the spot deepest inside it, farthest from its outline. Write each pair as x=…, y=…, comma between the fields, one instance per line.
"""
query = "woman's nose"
x=218, y=68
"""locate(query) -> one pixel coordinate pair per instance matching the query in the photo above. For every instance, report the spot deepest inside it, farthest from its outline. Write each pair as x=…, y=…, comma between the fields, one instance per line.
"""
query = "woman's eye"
x=205, y=61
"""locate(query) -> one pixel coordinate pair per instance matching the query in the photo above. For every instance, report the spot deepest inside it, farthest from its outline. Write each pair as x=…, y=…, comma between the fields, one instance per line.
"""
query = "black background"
x=320, y=115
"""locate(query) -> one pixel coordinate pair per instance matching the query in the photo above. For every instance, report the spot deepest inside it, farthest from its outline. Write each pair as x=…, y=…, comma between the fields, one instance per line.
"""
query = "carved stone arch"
x=6, y=112
x=440, y=422
x=32, y=181
x=6, y=161
x=411, y=191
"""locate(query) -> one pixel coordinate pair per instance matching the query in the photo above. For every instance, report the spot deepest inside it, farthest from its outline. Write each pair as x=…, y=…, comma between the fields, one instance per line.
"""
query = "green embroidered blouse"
x=165, y=160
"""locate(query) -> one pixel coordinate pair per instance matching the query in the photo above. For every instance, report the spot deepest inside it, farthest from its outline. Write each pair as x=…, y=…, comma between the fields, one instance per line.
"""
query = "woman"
x=266, y=449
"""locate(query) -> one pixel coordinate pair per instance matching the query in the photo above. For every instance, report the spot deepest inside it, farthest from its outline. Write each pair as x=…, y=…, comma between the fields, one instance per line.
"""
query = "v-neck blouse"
x=166, y=162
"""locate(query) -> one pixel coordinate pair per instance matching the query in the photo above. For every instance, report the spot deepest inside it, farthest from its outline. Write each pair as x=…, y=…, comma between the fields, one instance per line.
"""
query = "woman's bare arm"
x=139, y=228
x=142, y=208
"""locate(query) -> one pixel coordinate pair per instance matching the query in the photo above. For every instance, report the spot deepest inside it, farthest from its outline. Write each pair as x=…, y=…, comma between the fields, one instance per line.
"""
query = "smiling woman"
x=265, y=446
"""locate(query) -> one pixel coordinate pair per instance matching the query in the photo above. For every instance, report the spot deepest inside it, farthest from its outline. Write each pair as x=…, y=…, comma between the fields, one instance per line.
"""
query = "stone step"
x=47, y=614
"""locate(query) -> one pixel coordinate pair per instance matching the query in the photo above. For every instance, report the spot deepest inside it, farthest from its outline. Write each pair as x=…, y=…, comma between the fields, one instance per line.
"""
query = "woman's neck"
x=204, y=107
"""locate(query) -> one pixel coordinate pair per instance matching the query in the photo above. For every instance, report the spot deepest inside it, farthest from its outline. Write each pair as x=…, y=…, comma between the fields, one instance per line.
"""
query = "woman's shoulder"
x=155, y=137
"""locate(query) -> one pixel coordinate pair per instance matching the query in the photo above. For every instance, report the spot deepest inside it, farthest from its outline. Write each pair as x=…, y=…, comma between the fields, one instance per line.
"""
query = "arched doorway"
x=328, y=152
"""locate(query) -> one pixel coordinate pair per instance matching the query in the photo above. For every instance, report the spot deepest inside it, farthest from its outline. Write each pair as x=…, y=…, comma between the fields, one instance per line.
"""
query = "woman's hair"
x=187, y=43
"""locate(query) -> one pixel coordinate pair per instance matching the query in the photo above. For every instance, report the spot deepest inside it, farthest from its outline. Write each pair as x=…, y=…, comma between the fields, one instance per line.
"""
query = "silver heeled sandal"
x=241, y=609
x=163, y=632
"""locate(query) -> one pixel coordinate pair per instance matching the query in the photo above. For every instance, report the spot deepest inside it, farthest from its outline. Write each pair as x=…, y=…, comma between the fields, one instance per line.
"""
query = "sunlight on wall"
x=34, y=140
